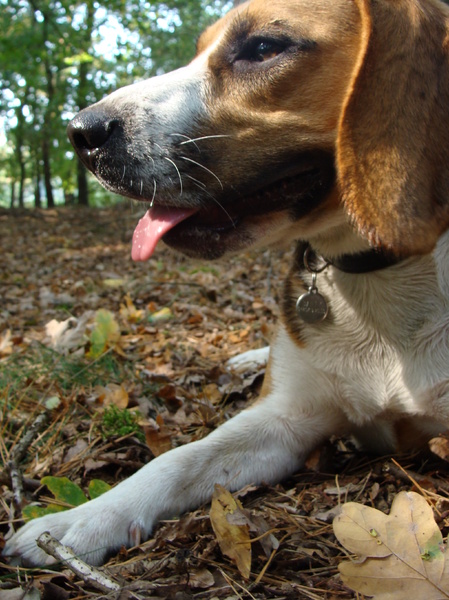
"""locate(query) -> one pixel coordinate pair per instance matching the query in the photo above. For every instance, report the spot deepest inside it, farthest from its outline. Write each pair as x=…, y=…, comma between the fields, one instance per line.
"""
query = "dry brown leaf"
x=401, y=555
x=68, y=335
x=233, y=538
x=201, y=578
x=6, y=345
x=112, y=394
x=129, y=312
x=440, y=446
x=158, y=440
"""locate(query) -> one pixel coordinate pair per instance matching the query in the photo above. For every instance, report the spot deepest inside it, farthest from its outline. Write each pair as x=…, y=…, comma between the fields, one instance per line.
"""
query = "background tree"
x=59, y=56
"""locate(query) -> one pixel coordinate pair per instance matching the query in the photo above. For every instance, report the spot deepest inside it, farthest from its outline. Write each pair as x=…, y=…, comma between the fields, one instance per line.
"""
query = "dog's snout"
x=90, y=131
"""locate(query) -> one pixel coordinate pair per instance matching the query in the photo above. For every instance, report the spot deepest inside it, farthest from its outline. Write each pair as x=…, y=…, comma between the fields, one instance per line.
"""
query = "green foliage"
x=105, y=334
x=57, y=57
x=21, y=373
x=97, y=487
x=67, y=494
x=120, y=422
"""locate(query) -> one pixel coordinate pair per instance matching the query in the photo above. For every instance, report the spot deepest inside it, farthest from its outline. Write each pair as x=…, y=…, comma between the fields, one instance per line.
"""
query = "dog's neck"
x=360, y=262
x=342, y=247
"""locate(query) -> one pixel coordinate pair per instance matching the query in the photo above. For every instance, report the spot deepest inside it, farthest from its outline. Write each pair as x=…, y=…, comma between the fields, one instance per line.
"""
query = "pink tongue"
x=152, y=226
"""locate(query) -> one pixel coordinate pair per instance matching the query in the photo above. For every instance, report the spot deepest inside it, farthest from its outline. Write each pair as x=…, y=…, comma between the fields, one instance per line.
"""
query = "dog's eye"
x=265, y=50
x=261, y=50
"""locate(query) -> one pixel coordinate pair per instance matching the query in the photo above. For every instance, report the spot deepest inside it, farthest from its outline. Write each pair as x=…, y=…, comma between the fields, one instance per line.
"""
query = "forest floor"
x=141, y=368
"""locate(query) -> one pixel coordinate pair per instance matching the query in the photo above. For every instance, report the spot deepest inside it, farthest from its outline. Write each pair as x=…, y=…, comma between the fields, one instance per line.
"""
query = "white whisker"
x=204, y=137
x=225, y=211
x=203, y=167
x=154, y=193
x=202, y=187
x=197, y=182
x=188, y=139
x=179, y=174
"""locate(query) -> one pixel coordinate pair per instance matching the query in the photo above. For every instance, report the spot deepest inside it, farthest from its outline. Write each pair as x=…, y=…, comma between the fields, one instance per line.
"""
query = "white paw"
x=92, y=530
x=249, y=361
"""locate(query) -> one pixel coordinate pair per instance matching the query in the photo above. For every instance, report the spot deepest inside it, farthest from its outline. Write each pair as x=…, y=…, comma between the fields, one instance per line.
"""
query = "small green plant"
x=66, y=493
x=117, y=421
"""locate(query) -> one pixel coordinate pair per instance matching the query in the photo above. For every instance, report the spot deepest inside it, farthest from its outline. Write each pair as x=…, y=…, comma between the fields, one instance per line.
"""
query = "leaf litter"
x=109, y=363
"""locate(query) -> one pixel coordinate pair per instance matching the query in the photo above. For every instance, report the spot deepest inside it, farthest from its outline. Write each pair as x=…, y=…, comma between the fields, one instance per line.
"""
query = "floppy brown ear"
x=393, y=144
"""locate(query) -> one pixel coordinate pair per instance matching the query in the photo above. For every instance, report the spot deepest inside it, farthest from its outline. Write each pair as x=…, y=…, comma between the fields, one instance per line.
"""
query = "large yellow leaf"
x=233, y=538
x=400, y=555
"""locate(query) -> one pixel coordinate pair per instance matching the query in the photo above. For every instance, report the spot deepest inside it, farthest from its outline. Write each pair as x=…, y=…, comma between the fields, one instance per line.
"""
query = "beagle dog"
x=320, y=121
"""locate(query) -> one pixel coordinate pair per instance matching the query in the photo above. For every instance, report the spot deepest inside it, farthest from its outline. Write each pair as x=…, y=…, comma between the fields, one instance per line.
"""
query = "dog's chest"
x=384, y=341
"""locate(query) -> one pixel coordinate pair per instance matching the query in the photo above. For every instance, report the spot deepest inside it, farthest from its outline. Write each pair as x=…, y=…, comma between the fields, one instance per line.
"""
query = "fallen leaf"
x=114, y=282
x=233, y=538
x=401, y=555
x=52, y=402
x=129, y=312
x=6, y=345
x=67, y=494
x=64, y=490
x=161, y=315
x=158, y=440
x=105, y=334
x=440, y=446
x=201, y=578
x=97, y=487
x=68, y=335
x=112, y=394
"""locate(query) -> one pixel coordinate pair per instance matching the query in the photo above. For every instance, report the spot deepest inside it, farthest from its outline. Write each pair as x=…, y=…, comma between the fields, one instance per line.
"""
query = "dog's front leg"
x=264, y=443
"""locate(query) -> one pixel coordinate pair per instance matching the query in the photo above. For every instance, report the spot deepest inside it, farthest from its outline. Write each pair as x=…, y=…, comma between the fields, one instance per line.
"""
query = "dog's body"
x=318, y=120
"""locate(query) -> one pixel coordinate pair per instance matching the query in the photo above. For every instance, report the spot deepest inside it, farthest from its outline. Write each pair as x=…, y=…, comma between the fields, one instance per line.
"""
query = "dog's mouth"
x=230, y=224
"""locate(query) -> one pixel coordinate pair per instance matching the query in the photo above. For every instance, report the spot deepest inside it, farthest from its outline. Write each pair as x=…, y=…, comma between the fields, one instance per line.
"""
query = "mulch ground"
x=177, y=322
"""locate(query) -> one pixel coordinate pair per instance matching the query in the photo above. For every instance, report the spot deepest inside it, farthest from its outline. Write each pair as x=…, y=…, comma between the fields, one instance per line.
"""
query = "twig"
x=36, y=427
x=267, y=564
x=19, y=452
x=28, y=482
x=409, y=476
x=64, y=554
x=16, y=477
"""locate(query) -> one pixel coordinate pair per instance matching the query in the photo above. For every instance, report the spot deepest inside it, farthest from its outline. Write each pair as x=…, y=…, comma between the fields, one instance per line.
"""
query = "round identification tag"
x=312, y=307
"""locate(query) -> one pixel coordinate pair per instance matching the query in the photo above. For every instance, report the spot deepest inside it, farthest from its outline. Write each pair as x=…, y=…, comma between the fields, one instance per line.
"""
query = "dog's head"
x=293, y=116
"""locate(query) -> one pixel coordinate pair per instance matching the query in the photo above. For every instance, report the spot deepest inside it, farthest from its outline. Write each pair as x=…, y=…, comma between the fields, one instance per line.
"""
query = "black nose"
x=91, y=130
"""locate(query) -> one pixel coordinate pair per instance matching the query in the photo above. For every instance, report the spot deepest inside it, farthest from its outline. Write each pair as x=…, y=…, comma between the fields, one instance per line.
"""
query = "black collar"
x=362, y=262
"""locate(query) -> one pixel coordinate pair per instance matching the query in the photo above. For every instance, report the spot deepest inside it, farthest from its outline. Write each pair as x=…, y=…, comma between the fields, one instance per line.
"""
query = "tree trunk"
x=47, y=173
x=13, y=193
x=37, y=188
x=22, y=171
x=48, y=122
x=83, y=85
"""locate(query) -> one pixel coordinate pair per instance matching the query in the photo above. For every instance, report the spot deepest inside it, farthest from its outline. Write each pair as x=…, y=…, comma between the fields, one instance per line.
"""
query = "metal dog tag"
x=312, y=306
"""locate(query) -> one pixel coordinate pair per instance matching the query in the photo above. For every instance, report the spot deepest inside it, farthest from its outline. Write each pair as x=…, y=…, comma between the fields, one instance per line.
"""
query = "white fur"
x=249, y=361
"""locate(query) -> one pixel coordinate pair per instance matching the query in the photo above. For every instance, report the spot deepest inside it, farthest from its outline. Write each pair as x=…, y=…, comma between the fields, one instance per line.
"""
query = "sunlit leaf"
x=232, y=537
x=106, y=333
x=97, y=487
x=64, y=490
x=399, y=556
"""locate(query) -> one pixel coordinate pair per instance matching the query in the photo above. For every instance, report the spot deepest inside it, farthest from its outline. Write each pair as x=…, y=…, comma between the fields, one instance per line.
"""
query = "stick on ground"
x=64, y=554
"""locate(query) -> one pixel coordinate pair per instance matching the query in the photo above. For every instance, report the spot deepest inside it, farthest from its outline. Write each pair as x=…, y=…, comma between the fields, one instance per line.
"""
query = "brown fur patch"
x=393, y=143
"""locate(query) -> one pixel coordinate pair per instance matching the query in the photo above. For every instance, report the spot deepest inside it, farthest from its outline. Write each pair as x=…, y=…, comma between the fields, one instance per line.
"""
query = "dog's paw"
x=92, y=532
x=249, y=361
